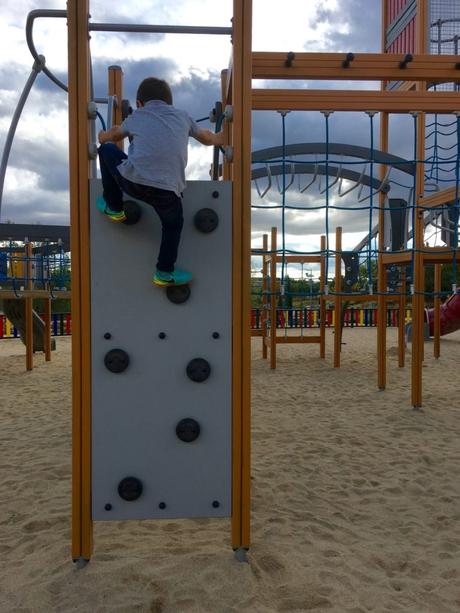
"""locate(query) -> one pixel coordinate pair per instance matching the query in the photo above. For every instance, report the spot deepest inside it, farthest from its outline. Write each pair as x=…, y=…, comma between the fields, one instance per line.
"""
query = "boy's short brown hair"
x=152, y=88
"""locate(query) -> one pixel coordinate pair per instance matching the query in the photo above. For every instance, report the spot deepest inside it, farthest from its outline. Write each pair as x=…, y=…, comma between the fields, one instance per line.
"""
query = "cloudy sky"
x=36, y=186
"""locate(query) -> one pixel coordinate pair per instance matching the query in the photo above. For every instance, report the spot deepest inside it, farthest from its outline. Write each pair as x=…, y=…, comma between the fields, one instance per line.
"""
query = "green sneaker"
x=103, y=207
x=167, y=279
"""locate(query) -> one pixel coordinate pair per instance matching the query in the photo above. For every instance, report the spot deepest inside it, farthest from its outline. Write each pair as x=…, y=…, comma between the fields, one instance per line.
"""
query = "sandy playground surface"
x=356, y=497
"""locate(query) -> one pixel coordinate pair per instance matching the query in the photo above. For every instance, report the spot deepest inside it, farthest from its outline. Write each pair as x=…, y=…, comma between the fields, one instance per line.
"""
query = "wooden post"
x=115, y=88
x=241, y=99
x=402, y=321
x=273, y=306
x=382, y=273
x=79, y=165
x=418, y=231
x=322, y=301
x=263, y=318
x=338, y=298
x=29, y=311
x=437, y=312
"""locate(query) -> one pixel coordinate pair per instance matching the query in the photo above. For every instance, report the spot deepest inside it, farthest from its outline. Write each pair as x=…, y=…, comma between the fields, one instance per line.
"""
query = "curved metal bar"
x=37, y=67
x=307, y=169
x=315, y=174
x=31, y=17
x=330, y=185
x=380, y=157
x=269, y=176
x=376, y=191
x=341, y=194
x=286, y=187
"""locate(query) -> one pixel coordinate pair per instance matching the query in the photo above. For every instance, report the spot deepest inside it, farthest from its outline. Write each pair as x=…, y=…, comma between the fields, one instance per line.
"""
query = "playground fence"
x=309, y=318
x=61, y=325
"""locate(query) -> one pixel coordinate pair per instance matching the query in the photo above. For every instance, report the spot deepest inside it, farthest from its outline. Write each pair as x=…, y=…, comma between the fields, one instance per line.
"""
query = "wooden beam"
x=240, y=98
x=364, y=67
x=438, y=198
x=354, y=100
x=79, y=167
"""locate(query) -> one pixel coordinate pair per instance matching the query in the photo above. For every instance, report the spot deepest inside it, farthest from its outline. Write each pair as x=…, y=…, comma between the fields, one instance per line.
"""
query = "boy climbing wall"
x=154, y=169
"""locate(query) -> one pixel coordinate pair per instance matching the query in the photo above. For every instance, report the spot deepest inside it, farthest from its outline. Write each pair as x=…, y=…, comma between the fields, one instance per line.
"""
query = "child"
x=154, y=169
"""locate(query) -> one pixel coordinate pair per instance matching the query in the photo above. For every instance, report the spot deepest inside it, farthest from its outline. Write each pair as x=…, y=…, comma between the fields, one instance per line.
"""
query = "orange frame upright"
x=236, y=84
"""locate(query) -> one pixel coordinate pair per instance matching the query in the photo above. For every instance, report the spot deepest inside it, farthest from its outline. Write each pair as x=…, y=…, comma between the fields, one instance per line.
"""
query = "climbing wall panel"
x=161, y=426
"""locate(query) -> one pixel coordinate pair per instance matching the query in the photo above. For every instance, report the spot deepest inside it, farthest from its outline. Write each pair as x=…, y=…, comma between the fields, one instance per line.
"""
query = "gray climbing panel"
x=161, y=441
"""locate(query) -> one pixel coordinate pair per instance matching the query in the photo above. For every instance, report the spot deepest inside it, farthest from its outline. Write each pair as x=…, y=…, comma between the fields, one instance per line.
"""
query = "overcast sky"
x=36, y=186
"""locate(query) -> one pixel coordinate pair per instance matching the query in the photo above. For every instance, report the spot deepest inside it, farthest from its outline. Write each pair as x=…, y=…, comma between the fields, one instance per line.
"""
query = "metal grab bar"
x=37, y=67
x=269, y=177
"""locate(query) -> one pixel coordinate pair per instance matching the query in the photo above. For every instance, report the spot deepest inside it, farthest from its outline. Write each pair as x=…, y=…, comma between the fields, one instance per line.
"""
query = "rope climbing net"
x=351, y=186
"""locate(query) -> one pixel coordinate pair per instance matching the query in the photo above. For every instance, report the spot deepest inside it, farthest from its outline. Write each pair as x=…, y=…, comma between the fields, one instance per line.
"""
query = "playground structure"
x=31, y=270
x=196, y=434
x=268, y=332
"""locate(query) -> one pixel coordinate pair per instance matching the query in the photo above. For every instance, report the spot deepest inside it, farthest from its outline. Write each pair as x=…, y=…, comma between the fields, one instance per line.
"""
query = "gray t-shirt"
x=157, y=154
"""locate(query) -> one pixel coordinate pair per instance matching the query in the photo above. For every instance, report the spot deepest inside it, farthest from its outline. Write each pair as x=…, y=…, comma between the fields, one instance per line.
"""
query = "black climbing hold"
x=407, y=60
x=348, y=59
x=107, y=336
x=198, y=370
x=216, y=504
x=130, y=488
x=162, y=505
x=108, y=507
x=188, y=430
x=116, y=360
x=215, y=335
x=215, y=194
x=290, y=57
x=162, y=335
x=132, y=211
x=126, y=109
x=206, y=220
x=178, y=293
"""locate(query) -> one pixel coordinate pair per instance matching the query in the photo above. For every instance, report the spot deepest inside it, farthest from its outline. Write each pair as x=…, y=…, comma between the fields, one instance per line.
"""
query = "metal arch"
x=315, y=169
x=341, y=149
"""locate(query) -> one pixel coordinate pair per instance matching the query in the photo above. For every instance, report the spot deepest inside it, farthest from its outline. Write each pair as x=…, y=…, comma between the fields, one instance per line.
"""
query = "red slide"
x=450, y=316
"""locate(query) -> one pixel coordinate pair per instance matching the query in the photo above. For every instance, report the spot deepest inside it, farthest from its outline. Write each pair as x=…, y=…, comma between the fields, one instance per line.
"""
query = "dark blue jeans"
x=166, y=203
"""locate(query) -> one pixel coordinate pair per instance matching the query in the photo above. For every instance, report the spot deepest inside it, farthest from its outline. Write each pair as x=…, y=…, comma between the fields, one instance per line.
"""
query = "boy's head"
x=152, y=88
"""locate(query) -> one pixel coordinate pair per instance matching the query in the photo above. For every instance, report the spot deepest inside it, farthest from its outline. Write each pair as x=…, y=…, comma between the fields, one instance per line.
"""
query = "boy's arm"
x=113, y=135
x=206, y=137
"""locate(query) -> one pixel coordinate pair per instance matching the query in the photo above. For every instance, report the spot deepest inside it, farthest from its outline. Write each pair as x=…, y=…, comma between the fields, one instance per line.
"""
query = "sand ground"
x=356, y=497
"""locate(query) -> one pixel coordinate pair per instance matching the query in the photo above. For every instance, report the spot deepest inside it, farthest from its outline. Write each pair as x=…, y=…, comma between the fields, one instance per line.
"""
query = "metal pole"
x=38, y=65
x=154, y=29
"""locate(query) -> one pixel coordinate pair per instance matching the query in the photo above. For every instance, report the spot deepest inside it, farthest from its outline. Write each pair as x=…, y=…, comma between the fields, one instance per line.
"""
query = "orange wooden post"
x=273, y=309
x=382, y=273
x=241, y=175
x=29, y=312
x=437, y=311
x=418, y=231
x=115, y=88
x=338, y=298
x=322, y=300
x=402, y=321
x=263, y=318
x=79, y=165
